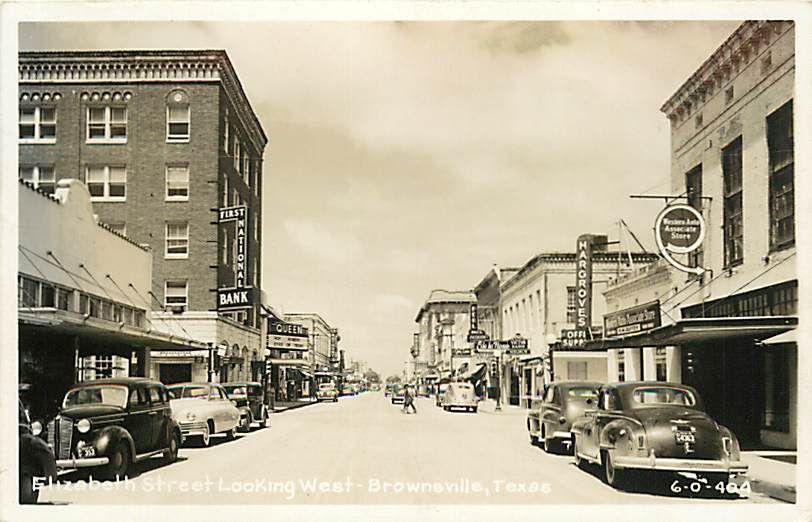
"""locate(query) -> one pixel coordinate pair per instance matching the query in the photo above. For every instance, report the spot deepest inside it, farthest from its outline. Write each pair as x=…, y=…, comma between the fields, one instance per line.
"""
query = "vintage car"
x=398, y=394
x=438, y=396
x=250, y=400
x=460, y=395
x=327, y=392
x=653, y=426
x=204, y=409
x=549, y=419
x=110, y=424
x=36, y=459
x=347, y=390
x=387, y=391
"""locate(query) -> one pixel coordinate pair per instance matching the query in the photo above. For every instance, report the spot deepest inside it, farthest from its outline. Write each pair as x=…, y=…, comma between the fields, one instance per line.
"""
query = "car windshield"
x=582, y=393
x=108, y=395
x=464, y=386
x=236, y=390
x=326, y=386
x=188, y=392
x=664, y=395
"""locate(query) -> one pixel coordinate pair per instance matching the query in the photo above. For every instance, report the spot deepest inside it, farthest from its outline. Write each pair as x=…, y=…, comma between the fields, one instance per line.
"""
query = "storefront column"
x=631, y=359
x=649, y=364
x=673, y=363
x=612, y=374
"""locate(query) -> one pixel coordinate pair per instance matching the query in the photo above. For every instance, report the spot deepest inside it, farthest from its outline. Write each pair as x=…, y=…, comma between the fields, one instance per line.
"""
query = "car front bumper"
x=671, y=464
x=89, y=462
x=191, y=429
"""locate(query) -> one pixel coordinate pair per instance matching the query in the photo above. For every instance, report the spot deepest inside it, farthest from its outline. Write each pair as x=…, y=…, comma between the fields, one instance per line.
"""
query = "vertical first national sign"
x=239, y=295
x=583, y=283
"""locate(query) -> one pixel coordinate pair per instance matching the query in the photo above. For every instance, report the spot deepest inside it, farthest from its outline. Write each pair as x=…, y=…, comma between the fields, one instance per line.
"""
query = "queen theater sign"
x=583, y=283
x=239, y=295
x=679, y=229
x=286, y=336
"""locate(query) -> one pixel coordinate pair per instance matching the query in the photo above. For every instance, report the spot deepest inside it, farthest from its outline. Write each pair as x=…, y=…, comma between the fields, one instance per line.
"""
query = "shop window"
x=571, y=302
x=42, y=177
x=106, y=183
x=776, y=389
x=780, y=143
x=178, y=120
x=621, y=366
x=176, y=293
x=95, y=307
x=660, y=364
x=64, y=299
x=177, y=240
x=28, y=294
x=106, y=124
x=103, y=366
x=693, y=191
x=576, y=370
x=733, y=222
x=37, y=125
x=177, y=182
x=47, y=296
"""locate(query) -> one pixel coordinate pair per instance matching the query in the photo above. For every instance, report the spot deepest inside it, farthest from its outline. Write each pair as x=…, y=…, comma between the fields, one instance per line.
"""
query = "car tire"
x=205, y=439
x=264, y=420
x=28, y=495
x=245, y=424
x=550, y=445
x=580, y=462
x=474, y=409
x=119, y=462
x=171, y=452
x=232, y=433
x=613, y=476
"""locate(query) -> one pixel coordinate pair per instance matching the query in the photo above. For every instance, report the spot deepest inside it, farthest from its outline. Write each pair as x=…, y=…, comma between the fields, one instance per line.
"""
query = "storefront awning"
x=474, y=373
x=783, y=338
x=698, y=330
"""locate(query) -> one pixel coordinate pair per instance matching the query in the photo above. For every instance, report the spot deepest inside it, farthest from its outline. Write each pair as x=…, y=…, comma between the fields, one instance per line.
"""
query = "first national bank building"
x=170, y=152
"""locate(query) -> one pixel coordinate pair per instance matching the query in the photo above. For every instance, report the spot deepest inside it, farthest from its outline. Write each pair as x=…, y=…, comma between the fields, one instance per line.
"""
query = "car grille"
x=60, y=436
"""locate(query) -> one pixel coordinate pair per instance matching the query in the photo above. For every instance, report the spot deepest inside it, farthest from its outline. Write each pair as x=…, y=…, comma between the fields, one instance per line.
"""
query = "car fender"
x=614, y=432
x=41, y=453
x=108, y=438
x=172, y=427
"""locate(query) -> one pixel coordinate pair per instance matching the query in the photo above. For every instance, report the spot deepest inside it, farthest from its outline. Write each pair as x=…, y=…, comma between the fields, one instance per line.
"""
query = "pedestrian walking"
x=408, y=399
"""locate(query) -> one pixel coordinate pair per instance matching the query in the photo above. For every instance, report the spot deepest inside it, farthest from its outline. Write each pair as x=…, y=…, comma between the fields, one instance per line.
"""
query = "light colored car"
x=327, y=392
x=460, y=395
x=203, y=410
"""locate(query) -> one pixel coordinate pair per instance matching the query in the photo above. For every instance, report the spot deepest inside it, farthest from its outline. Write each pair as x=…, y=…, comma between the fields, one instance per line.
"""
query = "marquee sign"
x=679, y=229
x=239, y=295
x=286, y=336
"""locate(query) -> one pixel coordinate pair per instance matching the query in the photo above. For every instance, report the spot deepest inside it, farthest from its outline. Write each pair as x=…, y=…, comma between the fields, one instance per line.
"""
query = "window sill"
x=781, y=248
x=176, y=198
x=177, y=140
x=733, y=265
x=105, y=142
x=34, y=141
x=101, y=199
x=176, y=256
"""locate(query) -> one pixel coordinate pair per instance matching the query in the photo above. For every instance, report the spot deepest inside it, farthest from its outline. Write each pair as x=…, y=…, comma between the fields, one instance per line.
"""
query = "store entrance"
x=175, y=373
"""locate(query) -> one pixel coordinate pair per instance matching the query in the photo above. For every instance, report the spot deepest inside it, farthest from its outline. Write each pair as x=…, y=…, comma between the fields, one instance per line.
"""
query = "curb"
x=774, y=490
x=286, y=408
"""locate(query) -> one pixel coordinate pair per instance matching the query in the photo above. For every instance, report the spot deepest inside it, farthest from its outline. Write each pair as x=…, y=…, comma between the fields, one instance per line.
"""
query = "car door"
x=138, y=420
x=550, y=409
x=159, y=416
x=605, y=413
x=588, y=444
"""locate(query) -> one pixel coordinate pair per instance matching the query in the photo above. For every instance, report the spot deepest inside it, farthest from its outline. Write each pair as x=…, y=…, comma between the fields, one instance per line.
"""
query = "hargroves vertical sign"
x=583, y=283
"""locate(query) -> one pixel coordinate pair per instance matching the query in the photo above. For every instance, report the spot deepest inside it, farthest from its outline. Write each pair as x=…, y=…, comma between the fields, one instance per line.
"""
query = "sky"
x=409, y=156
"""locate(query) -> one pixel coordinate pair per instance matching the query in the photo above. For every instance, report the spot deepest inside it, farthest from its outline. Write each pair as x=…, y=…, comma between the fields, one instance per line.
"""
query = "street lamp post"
x=498, y=354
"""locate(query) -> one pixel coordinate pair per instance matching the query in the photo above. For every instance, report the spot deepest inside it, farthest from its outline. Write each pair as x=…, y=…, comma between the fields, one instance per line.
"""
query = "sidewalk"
x=280, y=406
x=489, y=406
x=769, y=476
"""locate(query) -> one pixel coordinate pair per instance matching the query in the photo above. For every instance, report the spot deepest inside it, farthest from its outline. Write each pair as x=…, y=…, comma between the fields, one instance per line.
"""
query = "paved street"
x=370, y=452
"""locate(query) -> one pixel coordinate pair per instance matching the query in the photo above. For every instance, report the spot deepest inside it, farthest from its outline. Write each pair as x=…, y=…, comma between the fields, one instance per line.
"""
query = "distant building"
x=443, y=324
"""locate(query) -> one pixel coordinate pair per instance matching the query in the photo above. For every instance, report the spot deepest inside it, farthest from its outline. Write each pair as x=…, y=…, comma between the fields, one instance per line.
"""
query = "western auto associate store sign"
x=632, y=320
x=239, y=295
x=583, y=283
x=679, y=229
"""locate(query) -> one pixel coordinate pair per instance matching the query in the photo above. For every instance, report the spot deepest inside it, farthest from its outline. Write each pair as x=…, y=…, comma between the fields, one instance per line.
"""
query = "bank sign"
x=632, y=320
x=239, y=295
x=679, y=229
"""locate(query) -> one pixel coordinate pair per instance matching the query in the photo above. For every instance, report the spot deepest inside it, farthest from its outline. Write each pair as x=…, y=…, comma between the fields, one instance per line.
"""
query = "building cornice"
x=738, y=50
x=175, y=66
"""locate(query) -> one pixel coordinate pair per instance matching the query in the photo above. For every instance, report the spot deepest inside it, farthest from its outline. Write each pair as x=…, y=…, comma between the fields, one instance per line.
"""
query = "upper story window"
x=226, y=143
x=106, y=183
x=245, y=165
x=107, y=124
x=571, y=302
x=177, y=182
x=733, y=212
x=780, y=142
x=177, y=123
x=237, y=154
x=693, y=190
x=729, y=95
x=42, y=177
x=225, y=190
x=37, y=125
x=176, y=293
x=177, y=240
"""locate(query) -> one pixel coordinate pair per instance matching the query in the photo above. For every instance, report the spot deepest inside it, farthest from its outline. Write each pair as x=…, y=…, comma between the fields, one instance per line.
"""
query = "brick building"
x=162, y=140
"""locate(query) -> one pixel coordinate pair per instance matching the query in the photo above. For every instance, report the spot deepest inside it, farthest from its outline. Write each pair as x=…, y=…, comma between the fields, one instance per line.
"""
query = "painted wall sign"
x=632, y=320
x=679, y=229
x=583, y=283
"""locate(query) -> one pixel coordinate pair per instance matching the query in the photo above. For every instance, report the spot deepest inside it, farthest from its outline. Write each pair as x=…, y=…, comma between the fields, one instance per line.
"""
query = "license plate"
x=685, y=436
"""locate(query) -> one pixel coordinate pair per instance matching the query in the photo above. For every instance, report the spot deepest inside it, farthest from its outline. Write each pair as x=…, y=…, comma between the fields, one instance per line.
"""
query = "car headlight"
x=83, y=426
x=36, y=428
x=562, y=420
x=191, y=416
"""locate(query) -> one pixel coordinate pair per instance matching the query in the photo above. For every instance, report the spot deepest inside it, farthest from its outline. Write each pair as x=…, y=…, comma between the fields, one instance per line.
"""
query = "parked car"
x=549, y=420
x=654, y=426
x=438, y=396
x=203, y=410
x=36, y=458
x=387, y=391
x=460, y=395
x=347, y=390
x=398, y=394
x=110, y=424
x=327, y=392
x=250, y=400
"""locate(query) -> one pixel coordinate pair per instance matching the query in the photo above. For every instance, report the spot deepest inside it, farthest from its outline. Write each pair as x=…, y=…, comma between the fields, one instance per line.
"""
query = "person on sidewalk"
x=408, y=399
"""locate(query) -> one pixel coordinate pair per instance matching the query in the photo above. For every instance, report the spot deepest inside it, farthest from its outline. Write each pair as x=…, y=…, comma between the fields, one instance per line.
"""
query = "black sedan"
x=549, y=420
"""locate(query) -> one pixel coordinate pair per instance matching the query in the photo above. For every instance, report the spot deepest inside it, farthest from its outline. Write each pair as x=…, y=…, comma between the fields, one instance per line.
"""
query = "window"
x=107, y=124
x=732, y=218
x=177, y=182
x=38, y=124
x=64, y=299
x=571, y=302
x=660, y=364
x=780, y=143
x=103, y=366
x=225, y=190
x=698, y=120
x=235, y=197
x=576, y=370
x=177, y=122
x=766, y=62
x=775, y=415
x=176, y=293
x=728, y=95
x=693, y=190
x=41, y=176
x=237, y=154
x=246, y=169
x=225, y=131
x=108, y=183
x=621, y=366
x=257, y=173
x=177, y=240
